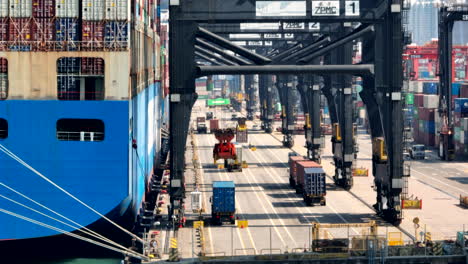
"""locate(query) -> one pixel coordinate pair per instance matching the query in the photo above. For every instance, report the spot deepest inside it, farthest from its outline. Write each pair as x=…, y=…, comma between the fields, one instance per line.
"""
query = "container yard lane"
x=437, y=183
x=278, y=219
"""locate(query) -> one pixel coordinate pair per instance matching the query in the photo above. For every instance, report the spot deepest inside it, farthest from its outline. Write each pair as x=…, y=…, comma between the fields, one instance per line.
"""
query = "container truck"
x=201, y=125
x=310, y=182
x=293, y=159
x=223, y=202
x=214, y=125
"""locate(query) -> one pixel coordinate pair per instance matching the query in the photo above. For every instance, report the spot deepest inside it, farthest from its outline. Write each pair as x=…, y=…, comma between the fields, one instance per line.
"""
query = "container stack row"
x=460, y=120
x=423, y=104
x=27, y=25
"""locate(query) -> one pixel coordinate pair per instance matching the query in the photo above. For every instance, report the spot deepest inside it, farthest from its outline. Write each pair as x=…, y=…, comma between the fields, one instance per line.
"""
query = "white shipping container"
x=362, y=113
x=462, y=136
x=4, y=8
x=3, y=85
x=419, y=87
x=20, y=8
x=67, y=8
x=431, y=101
x=464, y=123
x=93, y=10
x=117, y=10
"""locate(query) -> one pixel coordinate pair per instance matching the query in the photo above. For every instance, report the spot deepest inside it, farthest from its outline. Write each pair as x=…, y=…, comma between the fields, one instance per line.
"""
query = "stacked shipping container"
x=426, y=119
x=3, y=78
x=29, y=25
x=426, y=101
x=460, y=121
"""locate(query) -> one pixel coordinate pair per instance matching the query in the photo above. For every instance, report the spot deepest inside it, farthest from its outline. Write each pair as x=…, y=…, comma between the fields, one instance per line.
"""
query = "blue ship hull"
x=111, y=176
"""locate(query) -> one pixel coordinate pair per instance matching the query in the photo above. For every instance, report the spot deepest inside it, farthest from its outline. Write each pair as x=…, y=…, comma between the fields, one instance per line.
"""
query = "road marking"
x=202, y=175
x=307, y=208
x=238, y=208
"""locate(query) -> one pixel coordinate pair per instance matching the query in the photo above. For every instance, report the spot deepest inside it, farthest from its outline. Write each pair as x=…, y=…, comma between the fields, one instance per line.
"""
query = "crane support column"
x=182, y=98
x=285, y=87
x=250, y=91
x=269, y=103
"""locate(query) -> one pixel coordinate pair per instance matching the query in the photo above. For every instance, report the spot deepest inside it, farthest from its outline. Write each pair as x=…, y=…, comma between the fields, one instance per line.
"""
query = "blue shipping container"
x=461, y=105
x=424, y=74
x=67, y=29
x=68, y=65
x=429, y=127
x=456, y=89
x=224, y=197
x=116, y=35
x=430, y=88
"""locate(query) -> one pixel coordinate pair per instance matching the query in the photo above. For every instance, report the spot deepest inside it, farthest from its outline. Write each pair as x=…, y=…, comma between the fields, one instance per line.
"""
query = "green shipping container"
x=209, y=86
x=457, y=134
x=409, y=99
x=278, y=107
x=203, y=97
x=219, y=101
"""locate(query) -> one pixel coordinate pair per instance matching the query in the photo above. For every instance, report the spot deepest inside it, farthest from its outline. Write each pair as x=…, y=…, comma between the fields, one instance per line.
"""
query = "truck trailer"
x=310, y=182
x=201, y=125
x=223, y=202
x=293, y=159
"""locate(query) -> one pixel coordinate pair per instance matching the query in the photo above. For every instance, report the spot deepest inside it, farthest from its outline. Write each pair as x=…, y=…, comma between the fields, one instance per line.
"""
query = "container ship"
x=82, y=101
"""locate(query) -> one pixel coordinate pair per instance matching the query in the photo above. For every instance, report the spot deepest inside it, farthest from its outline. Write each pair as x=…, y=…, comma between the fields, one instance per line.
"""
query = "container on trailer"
x=242, y=135
x=223, y=201
x=92, y=10
x=67, y=8
x=43, y=30
x=293, y=159
x=311, y=182
x=116, y=10
x=214, y=124
x=43, y=8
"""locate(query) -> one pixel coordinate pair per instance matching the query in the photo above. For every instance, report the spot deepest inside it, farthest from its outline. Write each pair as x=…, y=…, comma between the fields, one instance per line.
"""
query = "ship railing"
x=70, y=46
x=80, y=136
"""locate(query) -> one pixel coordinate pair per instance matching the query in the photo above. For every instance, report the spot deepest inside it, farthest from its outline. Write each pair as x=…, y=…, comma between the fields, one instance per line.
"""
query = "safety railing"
x=80, y=136
x=25, y=46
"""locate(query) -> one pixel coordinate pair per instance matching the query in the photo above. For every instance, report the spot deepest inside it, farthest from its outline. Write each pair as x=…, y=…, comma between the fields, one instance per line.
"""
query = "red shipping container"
x=3, y=65
x=464, y=90
x=93, y=66
x=43, y=8
x=293, y=160
x=419, y=100
x=300, y=170
x=19, y=30
x=43, y=30
x=426, y=114
x=92, y=34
